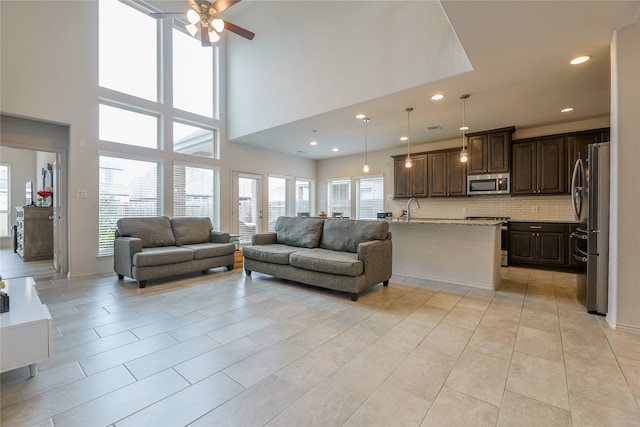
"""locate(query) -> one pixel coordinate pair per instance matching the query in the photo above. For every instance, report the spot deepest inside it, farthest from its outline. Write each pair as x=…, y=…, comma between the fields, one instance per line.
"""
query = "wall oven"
x=497, y=183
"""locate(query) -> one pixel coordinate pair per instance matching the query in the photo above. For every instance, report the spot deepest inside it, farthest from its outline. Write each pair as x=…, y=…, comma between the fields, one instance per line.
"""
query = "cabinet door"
x=437, y=172
x=457, y=175
x=477, y=148
x=551, y=166
x=418, y=175
x=400, y=178
x=522, y=246
x=498, y=152
x=523, y=175
x=575, y=143
x=551, y=248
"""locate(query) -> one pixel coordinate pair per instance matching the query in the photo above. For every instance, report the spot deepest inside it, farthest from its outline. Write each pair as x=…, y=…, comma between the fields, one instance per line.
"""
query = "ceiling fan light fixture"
x=213, y=36
x=217, y=24
x=192, y=16
x=192, y=28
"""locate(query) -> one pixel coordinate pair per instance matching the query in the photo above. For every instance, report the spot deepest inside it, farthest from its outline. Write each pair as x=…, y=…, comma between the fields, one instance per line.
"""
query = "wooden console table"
x=26, y=330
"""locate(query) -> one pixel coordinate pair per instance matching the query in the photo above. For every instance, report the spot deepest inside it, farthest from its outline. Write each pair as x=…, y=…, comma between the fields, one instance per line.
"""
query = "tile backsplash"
x=520, y=208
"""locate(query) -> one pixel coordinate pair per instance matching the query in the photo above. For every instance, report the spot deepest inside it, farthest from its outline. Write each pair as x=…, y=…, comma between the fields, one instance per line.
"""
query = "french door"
x=246, y=215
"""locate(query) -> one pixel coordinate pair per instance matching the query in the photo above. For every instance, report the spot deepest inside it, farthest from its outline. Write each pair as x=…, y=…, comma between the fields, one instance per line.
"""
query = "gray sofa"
x=339, y=254
x=148, y=248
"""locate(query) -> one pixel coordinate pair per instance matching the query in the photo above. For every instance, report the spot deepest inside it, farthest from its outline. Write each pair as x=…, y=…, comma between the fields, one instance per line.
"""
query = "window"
x=127, y=188
x=4, y=200
x=339, y=196
x=277, y=200
x=194, y=193
x=128, y=64
x=128, y=127
x=369, y=197
x=304, y=197
x=193, y=140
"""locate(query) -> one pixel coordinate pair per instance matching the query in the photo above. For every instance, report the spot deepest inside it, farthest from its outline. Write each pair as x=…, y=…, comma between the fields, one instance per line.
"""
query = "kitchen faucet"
x=409, y=207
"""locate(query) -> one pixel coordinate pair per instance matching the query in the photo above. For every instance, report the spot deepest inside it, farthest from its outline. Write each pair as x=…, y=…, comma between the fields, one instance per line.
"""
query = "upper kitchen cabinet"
x=577, y=141
x=489, y=151
x=447, y=175
x=539, y=166
x=410, y=182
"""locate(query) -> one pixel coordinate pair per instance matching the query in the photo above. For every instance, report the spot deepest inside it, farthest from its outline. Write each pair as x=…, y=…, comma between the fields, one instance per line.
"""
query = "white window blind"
x=127, y=188
x=277, y=200
x=339, y=195
x=196, y=193
x=370, y=197
x=304, y=197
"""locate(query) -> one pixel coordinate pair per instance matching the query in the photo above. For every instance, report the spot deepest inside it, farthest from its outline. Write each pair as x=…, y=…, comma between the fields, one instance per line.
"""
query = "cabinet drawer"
x=537, y=227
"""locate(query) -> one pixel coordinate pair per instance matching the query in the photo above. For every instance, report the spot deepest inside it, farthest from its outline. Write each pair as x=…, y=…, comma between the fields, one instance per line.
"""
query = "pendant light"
x=407, y=162
x=365, y=168
x=464, y=156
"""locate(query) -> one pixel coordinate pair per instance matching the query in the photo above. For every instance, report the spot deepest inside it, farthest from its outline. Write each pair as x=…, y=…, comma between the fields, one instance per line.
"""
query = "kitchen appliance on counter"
x=590, y=201
x=496, y=183
x=504, y=236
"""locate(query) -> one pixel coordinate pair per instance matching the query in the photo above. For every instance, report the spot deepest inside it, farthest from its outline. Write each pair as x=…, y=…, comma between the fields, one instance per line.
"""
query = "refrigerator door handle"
x=579, y=258
x=581, y=236
x=576, y=192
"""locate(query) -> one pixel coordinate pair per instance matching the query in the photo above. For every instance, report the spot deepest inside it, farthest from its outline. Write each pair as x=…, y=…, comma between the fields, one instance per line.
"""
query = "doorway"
x=246, y=214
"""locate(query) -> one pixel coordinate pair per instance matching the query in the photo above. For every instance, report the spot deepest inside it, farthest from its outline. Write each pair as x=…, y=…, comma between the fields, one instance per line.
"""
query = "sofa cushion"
x=300, y=232
x=191, y=230
x=346, y=234
x=211, y=250
x=327, y=261
x=274, y=254
x=152, y=231
x=161, y=256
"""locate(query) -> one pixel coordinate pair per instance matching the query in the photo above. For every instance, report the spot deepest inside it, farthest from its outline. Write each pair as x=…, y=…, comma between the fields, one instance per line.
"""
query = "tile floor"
x=227, y=349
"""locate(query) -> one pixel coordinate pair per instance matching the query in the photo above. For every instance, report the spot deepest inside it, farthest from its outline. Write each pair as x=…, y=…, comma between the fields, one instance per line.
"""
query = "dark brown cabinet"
x=489, y=152
x=538, y=243
x=447, y=176
x=539, y=166
x=577, y=141
x=410, y=182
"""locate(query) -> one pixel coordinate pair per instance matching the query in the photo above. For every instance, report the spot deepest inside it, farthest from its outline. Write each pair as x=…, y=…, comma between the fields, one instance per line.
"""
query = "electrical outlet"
x=81, y=194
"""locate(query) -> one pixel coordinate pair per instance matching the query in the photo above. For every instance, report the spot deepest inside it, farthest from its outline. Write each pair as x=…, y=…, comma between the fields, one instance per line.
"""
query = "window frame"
x=358, y=199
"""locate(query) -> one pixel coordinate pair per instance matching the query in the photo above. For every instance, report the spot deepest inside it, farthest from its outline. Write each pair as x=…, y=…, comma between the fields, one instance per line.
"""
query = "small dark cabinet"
x=410, y=182
x=447, y=175
x=489, y=151
x=577, y=141
x=538, y=243
x=539, y=167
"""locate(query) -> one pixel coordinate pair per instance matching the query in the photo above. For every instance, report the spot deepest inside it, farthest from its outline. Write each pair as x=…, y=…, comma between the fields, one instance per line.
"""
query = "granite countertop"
x=449, y=221
x=546, y=221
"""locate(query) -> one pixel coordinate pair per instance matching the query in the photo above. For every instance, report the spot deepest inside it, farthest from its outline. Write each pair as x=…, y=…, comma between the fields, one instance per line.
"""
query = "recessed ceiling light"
x=566, y=110
x=334, y=149
x=361, y=116
x=403, y=138
x=580, y=59
x=437, y=97
x=313, y=143
x=464, y=127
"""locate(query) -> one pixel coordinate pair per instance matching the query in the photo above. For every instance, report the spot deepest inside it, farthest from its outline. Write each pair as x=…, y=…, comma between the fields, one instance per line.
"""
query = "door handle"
x=579, y=236
x=579, y=258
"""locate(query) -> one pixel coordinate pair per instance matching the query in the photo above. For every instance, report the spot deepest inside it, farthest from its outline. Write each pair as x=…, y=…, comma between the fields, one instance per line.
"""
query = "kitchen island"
x=457, y=251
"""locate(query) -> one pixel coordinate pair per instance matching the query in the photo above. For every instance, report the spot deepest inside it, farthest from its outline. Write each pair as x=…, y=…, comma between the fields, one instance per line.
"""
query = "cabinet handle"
x=535, y=227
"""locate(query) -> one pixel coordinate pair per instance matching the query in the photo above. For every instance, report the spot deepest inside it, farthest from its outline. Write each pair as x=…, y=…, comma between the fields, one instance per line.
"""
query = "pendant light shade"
x=365, y=167
x=464, y=156
x=407, y=162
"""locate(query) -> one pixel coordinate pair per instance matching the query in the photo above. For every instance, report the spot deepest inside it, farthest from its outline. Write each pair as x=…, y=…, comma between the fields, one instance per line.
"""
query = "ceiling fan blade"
x=193, y=5
x=167, y=15
x=238, y=30
x=221, y=5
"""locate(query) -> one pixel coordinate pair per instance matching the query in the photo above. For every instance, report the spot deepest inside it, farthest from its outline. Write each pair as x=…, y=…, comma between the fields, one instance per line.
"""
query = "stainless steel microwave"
x=496, y=183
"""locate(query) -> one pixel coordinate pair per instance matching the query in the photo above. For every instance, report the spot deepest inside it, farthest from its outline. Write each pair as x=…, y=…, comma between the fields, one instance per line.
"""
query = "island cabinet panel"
x=410, y=182
x=539, y=243
x=447, y=175
x=490, y=151
x=539, y=167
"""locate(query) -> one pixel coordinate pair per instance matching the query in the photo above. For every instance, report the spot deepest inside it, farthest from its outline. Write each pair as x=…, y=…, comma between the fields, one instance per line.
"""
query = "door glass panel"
x=248, y=208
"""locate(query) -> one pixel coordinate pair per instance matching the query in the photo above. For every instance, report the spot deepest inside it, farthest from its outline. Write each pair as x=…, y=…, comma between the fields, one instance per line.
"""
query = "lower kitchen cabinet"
x=539, y=243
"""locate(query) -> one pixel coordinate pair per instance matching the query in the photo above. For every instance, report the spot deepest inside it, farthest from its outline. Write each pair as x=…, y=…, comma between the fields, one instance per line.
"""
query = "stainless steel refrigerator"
x=590, y=199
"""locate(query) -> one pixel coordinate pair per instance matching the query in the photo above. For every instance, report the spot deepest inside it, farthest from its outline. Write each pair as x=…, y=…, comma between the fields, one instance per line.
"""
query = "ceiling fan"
x=203, y=16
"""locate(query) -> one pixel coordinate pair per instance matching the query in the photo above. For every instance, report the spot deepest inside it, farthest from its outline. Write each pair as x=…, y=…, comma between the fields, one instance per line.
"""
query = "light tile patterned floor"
x=226, y=349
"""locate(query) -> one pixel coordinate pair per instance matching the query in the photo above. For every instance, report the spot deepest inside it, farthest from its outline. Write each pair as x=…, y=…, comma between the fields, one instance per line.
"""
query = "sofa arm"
x=264, y=239
x=124, y=248
x=219, y=237
x=376, y=257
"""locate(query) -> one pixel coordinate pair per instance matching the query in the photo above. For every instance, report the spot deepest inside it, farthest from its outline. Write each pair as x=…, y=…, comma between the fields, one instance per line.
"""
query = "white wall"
x=51, y=75
x=624, y=268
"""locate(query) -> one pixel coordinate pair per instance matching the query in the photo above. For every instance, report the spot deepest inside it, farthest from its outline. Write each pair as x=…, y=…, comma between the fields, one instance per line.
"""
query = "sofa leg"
x=385, y=283
x=204, y=272
x=354, y=297
x=142, y=283
x=229, y=267
x=120, y=277
x=248, y=272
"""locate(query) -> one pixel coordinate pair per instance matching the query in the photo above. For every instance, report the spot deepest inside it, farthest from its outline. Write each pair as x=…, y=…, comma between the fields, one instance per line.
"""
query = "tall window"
x=277, y=199
x=304, y=196
x=126, y=188
x=339, y=194
x=369, y=197
x=194, y=191
x=4, y=200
